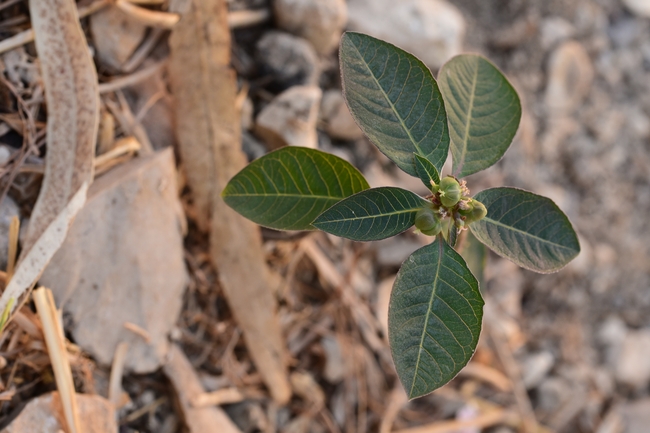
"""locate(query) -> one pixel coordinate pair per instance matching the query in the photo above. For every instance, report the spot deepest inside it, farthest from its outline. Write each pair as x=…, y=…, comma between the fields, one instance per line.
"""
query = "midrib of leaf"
x=467, y=122
x=375, y=216
x=287, y=195
x=392, y=106
x=500, y=224
x=426, y=317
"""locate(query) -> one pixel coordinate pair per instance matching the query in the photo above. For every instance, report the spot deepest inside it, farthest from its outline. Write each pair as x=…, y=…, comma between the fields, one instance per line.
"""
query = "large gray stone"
x=123, y=262
x=321, y=22
x=339, y=123
x=44, y=414
x=290, y=119
x=290, y=60
x=116, y=36
x=633, y=360
x=433, y=30
x=8, y=210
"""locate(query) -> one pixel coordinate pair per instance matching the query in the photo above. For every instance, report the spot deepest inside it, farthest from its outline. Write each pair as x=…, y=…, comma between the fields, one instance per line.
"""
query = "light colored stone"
x=636, y=416
x=321, y=22
x=554, y=30
x=5, y=151
x=433, y=30
x=8, y=209
x=339, y=122
x=290, y=60
x=535, y=367
x=570, y=76
x=334, y=364
x=290, y=119
x=632, y=365
x=639, y=7
x=393, y=251
x=115, y=35
x=552, y=394
x=44, y=415
x=123, y=262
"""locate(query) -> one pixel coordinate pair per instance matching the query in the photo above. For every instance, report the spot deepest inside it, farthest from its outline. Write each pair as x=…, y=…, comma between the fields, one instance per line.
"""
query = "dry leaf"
x=73, y=115
x=208, y=129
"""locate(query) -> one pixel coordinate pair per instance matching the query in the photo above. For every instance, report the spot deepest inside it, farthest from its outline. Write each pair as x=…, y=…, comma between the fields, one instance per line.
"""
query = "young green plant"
x=473, y=111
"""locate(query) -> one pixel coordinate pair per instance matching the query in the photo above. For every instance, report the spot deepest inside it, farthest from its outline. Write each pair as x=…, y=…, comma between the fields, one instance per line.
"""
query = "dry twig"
x=54, y=339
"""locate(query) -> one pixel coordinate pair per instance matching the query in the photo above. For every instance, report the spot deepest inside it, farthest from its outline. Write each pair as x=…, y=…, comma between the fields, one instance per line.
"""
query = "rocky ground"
x=567, y=352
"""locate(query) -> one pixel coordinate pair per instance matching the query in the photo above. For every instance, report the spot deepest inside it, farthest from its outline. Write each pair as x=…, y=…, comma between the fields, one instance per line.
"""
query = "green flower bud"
x=477, y=212
x=450, y=191
x=427, y=221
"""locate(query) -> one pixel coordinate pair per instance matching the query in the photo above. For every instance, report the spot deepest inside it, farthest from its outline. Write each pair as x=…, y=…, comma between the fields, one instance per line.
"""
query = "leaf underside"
x=483, y=111
x=434, y=318
x=395, y=100
x=371, y=215
x=287, y=189
x=526, y=228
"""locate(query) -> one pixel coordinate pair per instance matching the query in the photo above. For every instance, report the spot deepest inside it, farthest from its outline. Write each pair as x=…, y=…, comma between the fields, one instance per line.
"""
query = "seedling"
x=436, y=307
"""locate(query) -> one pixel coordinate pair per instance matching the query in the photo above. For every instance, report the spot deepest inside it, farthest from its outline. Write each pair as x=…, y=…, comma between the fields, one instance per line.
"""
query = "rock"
x=636, y=416
x=44, y=414
x=382, y=303
x=116, y=36
x=535, y=367
x=247, y=110
x=251, y=147
x=5, y=153
x=158, y=119
x=552, y=394
x=554, y=30
x=433, y=30
x=570, y=75
x=8, y=210
x=632, y=366
x=289, y=59
x=638, y=7
x=393, y=251
x=334, y=364
x=290, y=119
x=122, y=261
x=339, y=122
x=321, y=22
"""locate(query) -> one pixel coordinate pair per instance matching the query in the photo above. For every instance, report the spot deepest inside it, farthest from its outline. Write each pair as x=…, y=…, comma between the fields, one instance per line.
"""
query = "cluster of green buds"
x=450, y=199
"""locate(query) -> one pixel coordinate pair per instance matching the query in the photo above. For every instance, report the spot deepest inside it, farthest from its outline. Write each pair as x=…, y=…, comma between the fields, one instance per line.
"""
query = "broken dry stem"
x=54, y=339
x=27, y=36
x=14, y=230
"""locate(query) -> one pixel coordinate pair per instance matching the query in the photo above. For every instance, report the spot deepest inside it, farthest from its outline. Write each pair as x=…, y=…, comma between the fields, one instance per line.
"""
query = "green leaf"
x=371, y=215
x=526, y=228
x=434, y=318
x=395, y=100
x=426, y=171
x=483, y=111
x=287, y=189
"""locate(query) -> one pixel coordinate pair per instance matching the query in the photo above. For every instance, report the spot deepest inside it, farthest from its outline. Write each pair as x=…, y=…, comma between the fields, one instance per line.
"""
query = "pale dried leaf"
x=72, y=98
x=208, y=130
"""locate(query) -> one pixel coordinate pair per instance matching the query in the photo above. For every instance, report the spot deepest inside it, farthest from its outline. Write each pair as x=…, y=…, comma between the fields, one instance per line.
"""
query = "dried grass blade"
x=54, y=340
x=14, y=231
